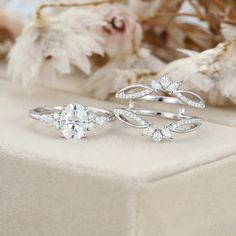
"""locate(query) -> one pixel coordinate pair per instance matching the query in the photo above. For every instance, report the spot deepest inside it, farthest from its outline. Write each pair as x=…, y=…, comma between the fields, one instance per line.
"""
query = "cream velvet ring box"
x=114, y=182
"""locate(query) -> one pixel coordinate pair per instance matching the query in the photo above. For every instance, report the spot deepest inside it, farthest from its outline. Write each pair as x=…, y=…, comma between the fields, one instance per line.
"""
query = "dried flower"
x=228, y=31
x=197, y=25
x=50, y=45
x=145, y=8
x=122, y=34
x=10, y=28
x=212, y=73
x=122, y=71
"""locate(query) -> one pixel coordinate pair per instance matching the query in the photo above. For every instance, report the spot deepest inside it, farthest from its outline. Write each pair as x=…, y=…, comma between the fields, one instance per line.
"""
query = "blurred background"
x=195, y=33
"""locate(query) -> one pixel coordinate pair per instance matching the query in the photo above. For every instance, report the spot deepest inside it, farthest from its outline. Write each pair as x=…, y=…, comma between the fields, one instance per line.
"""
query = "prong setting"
x=73, y=120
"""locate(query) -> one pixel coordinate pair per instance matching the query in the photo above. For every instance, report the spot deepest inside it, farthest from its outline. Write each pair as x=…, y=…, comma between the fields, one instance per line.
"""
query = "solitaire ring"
x=133, y=116
x=72, y=120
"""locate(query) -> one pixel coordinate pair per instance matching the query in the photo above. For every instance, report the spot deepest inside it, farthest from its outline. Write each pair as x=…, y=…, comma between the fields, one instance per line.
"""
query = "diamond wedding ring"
x=134, y=117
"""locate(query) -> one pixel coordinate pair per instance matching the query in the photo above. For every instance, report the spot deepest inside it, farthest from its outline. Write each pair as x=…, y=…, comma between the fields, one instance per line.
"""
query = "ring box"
x=114, y=182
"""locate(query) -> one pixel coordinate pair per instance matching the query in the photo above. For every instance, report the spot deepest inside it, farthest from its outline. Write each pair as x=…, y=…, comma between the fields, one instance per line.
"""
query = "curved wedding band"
x=72, y=120
x=150, y=93
x=133, y=117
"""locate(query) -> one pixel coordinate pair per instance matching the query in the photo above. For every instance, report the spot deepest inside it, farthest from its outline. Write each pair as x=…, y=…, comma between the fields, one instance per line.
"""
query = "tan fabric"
x=197, y=202
x=147, y=159
x=111, y=182
x=45, y=199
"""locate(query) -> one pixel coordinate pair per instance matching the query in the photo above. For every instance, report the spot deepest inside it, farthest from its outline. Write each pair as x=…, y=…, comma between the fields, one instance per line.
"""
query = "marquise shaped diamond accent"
x=165, y=84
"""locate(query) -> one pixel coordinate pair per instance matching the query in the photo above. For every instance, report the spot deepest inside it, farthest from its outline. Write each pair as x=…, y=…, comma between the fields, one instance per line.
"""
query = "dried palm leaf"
x=211, y=73
x=120, y=72
x=178, y=35
x=53, y=46
x=174, y=33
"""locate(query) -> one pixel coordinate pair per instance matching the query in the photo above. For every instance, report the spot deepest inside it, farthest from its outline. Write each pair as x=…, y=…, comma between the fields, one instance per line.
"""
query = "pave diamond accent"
x=126, y=94
x=182, y=98
x=124, y=115
x=184, y=124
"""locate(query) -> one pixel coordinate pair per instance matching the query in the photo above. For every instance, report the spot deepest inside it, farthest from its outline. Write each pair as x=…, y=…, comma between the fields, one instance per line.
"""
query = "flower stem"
x=168, y=14
x=65, y=5
x=178, y=14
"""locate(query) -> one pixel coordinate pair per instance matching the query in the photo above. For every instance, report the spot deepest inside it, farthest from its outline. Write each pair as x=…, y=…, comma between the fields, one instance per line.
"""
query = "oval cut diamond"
x=74, y=121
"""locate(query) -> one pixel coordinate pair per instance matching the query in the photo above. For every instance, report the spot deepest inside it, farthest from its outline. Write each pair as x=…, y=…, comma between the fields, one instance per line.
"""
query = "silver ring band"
x=133, y=116
x=37, y=113
x=164, y=84
x=72, y=120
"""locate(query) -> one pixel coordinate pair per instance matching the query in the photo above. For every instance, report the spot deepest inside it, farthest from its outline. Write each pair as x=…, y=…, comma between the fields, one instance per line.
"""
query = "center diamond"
x=74, y=121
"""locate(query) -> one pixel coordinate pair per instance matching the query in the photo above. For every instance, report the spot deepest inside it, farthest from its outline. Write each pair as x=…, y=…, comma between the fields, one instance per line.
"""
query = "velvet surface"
x=114, y=182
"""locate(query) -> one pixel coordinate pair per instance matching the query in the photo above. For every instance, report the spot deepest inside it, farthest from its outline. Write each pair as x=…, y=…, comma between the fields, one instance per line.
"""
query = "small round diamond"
x=91, y=125
x=91, y=116
x=157, y=136
x=100, y=120
x=56, y=120
x=74, y=121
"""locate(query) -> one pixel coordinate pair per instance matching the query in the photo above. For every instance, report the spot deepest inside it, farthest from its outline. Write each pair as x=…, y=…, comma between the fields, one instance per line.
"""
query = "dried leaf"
x=212, y=73
x=52, y=45
x=121, y=72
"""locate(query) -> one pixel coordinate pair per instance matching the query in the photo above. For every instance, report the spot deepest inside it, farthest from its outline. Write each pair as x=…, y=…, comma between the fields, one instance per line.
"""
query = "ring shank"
x=173, y=116
x=161, y=114
x=165, y=99
x=36, y=113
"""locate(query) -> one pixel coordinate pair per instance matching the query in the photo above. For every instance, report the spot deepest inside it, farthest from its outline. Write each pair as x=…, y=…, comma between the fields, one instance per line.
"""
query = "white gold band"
x=133, y=116
x=164, y=84
x=72, y=120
